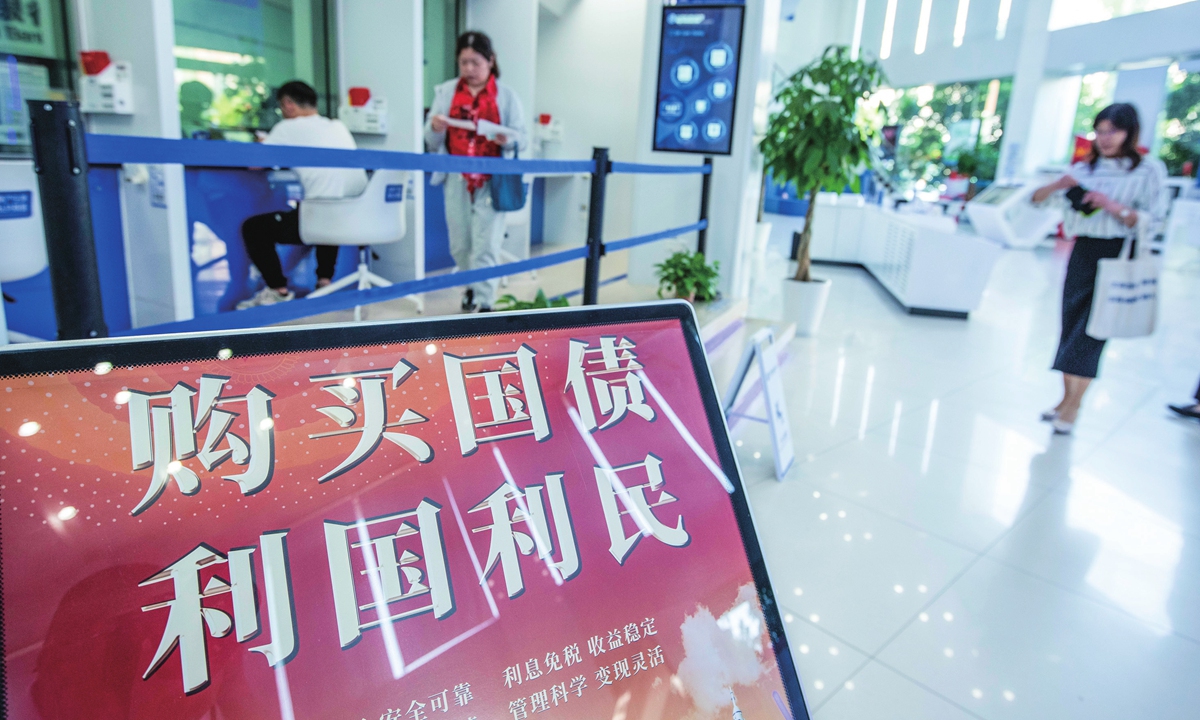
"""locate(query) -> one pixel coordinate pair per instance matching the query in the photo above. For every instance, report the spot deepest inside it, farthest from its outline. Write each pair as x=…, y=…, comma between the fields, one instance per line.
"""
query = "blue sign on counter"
x=16, y=204
x=697, y=78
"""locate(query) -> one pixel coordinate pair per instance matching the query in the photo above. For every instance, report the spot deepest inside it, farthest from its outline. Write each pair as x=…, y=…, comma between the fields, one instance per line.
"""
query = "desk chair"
x=22, y=240
x=376, y=217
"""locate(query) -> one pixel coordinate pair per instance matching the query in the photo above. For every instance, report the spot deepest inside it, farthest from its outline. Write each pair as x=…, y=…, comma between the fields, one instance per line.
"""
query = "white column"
x=142, y=32
x=381, y=47
x=1054, y=118
x=1146, y=89
x=1027, y=79
x=513, y=27
x=661, y=202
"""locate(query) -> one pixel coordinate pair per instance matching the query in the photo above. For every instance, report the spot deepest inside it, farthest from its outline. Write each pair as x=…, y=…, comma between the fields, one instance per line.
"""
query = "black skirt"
x=1078, y=352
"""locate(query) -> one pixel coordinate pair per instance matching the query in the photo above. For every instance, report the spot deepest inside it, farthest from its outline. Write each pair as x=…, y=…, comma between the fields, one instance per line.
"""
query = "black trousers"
x=1078, y=352
x=261, y=233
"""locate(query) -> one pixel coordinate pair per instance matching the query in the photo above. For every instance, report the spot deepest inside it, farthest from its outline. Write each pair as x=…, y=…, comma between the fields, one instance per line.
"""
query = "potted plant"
x=818, y=139
x=688, y=275
x=540, y=302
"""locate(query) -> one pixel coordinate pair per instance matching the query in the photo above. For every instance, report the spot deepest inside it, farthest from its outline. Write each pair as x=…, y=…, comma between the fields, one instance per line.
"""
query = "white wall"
x=381, y=47
x=661, y=202
x=1168, y=33
x=815, y=25
x=513, y=27
x=156, y=237
x=1145, y=88
x=595, y=100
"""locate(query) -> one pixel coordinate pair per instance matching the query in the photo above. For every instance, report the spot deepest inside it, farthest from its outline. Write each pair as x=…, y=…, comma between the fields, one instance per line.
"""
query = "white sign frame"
x=762, y=347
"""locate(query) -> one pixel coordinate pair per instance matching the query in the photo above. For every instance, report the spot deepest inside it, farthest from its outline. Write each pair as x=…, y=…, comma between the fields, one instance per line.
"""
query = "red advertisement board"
x=516, y=516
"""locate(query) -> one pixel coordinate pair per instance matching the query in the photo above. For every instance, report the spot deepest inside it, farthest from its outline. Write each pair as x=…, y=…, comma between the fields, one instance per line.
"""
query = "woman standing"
x=476, y=229
x=1122, y=189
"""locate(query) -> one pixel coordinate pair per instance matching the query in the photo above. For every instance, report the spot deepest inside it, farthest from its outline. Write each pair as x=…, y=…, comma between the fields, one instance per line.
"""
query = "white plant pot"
x=804, y=304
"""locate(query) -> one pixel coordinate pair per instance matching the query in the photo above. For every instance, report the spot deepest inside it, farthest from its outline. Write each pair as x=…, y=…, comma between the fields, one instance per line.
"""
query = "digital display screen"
x=697, y=78
x=513, y=516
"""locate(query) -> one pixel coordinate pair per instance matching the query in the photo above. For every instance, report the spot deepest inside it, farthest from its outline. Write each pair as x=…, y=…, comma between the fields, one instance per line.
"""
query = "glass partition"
x=231, y=55
x=35, y=64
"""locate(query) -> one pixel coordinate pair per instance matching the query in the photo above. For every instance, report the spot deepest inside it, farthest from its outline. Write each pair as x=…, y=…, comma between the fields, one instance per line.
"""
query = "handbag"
x=508, y=191
x=1125, y=301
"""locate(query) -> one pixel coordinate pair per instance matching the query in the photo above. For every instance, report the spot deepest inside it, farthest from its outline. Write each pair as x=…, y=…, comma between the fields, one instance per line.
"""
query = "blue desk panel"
x=33, y=311
x=221, y=200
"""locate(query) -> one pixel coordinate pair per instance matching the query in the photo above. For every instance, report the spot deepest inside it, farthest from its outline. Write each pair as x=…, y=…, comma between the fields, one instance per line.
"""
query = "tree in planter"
x=818, y=139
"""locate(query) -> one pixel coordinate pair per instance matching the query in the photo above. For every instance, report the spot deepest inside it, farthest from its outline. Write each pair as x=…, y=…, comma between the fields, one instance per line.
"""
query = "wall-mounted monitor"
x=697, y=78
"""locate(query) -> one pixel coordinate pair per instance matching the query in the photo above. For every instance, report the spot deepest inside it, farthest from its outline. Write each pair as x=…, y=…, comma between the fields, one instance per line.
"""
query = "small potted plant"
x=819, y=139
x=540, y=302
x=688, y=275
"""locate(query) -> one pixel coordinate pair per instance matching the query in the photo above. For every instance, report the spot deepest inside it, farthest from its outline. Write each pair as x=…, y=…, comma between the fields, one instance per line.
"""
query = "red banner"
x=512, y=525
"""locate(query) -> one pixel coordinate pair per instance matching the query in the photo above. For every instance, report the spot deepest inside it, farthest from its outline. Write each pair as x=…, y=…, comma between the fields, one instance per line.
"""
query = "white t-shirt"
x=321, y=132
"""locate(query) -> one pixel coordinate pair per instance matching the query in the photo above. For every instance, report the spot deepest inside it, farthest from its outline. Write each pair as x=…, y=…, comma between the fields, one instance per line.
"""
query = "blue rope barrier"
x=283, y=312
x=653, y=237
x=120, y=149
x=643, y=168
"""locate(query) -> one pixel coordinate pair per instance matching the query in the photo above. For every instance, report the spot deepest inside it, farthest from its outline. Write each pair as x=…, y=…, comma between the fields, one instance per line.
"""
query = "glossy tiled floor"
x=939, y=554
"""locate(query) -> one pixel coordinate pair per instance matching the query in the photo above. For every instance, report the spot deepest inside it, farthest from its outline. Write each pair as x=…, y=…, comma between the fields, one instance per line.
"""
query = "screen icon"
x=718, y=56
x=686, y=132
x=720, y=89
x=685, y=73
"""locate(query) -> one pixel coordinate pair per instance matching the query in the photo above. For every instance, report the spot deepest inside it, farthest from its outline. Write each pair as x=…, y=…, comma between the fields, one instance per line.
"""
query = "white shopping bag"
x=1125, y=303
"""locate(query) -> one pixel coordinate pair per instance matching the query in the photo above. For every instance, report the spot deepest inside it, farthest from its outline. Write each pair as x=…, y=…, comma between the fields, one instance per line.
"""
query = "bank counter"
x=925, y=263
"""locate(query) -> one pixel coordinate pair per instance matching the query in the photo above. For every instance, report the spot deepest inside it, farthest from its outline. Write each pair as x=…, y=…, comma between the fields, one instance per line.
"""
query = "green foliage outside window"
x=928, y=115
x=1180, y=130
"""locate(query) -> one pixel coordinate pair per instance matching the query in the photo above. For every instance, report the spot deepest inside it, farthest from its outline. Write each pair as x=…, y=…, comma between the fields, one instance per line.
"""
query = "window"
x=1180, y=128
x=443, y=23
x=231, y=55
x=35, y=64
x=1095, y=93
x=941, y=125
x=1070, y=13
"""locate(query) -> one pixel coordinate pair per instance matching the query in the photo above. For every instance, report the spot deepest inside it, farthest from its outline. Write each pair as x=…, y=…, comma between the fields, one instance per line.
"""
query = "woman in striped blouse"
x=1122, y=187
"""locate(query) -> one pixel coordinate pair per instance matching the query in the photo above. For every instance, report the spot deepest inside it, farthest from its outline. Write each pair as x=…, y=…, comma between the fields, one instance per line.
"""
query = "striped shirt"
x=1142, y=189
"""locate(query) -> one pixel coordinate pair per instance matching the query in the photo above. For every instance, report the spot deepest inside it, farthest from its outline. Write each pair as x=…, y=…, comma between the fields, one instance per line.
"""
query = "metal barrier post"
x=595, y=243
x=705, y=189
x=60, y=161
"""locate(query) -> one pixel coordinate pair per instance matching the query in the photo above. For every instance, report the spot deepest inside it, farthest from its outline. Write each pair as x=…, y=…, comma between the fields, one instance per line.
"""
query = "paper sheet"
x=460, y=124
x=490, y=130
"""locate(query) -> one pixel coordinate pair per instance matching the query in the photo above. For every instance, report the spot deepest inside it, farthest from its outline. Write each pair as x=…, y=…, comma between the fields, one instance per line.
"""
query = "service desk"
x=924, y=262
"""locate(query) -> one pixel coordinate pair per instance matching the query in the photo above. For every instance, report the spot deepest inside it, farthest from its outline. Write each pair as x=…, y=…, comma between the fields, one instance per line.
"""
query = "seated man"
x=301, y=125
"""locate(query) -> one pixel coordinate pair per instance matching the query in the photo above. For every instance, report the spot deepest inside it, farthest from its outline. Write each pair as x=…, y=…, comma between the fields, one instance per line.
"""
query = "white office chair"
x=23, y=242
x=376, y=217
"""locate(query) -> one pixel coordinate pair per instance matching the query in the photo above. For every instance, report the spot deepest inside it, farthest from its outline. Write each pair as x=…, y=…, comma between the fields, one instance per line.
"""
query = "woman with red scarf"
x=476, y=229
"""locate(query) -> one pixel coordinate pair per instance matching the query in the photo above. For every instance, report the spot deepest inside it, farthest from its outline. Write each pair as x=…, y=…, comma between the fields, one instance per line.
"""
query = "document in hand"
x=490, y=130
x=460, y=124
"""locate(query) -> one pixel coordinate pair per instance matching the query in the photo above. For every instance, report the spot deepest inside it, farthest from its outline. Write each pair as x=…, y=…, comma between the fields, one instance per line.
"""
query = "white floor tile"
x=1093, y=539
x=1008, y=645
x=860, y=574
x=968, y=502
x=877, y=693
x=823, y=662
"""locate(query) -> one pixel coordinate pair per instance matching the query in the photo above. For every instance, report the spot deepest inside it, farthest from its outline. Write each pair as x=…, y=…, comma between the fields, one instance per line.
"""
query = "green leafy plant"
x=510, y=302
x=688, y=275
x=818, y=138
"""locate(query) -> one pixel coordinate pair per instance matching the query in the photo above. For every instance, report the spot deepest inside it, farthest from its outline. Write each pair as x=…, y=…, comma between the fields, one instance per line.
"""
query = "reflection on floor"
x=938, y=554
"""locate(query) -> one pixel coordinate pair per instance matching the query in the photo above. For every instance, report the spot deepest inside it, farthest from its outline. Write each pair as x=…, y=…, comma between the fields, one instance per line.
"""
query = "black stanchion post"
x=60, y=161
x=705, y=189
x=591, y=271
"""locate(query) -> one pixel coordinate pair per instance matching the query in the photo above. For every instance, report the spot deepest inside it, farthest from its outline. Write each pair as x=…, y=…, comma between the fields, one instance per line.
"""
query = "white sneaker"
x=266, y=296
